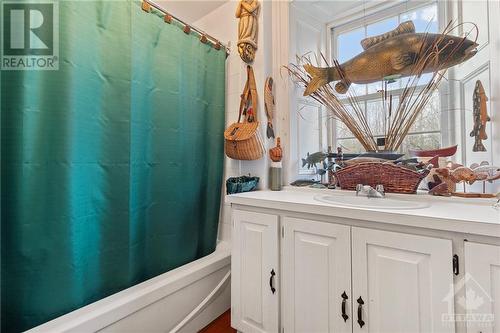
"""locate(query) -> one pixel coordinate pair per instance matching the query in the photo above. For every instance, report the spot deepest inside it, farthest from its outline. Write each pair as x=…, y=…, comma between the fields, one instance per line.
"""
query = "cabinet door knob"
x=271, y=281
x=344, y=301
x=360, y=311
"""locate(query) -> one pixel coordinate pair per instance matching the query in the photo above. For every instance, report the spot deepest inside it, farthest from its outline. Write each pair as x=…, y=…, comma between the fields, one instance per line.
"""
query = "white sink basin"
x=371, y=203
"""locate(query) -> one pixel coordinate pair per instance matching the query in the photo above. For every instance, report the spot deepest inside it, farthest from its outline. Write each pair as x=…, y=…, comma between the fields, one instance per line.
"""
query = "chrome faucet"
x=377, y=192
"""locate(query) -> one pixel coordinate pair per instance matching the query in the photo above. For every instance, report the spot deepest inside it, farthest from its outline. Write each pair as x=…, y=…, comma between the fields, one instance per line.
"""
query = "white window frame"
x=378, y=12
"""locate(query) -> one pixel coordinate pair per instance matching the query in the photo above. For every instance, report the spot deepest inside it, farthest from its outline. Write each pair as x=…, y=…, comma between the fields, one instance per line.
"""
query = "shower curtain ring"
x=146, y=6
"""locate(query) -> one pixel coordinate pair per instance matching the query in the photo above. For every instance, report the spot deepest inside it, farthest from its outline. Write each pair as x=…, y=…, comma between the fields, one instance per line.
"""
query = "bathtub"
x=182, y=300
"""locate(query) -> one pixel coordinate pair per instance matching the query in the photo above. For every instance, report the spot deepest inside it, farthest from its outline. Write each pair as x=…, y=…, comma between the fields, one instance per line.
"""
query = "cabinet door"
x=403, y=280
x=254, y=270
x=482, y=286
x=316, y=273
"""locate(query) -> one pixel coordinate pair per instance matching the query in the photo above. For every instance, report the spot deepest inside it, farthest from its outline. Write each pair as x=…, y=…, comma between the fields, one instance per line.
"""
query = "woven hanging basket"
x=242, y=139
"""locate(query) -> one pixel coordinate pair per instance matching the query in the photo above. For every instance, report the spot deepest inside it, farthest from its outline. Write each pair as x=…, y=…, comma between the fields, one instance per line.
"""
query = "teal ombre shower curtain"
x=112, y=165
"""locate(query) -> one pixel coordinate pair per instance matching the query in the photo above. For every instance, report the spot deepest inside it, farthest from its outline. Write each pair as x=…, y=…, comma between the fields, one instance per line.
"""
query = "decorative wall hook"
x=146, y=6
x=187, y=29
x=203, y=39
x=167, y=18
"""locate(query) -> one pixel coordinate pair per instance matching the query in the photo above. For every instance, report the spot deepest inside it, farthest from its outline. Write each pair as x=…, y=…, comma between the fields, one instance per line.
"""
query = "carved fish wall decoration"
x=269, y=106
x=393, y=54
x=480, y=116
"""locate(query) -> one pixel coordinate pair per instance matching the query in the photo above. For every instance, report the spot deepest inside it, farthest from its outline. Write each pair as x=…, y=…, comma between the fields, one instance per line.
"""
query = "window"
x=426, y=132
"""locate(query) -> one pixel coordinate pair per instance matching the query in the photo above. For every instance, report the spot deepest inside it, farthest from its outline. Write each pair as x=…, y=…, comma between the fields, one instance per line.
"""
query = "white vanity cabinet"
x=399, y=281
x=482, y=286
x=342, y=268
x=316, y=274
x=254, y=272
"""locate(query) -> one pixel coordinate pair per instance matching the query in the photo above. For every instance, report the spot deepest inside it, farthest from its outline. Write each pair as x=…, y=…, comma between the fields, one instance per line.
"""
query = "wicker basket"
x=243, y=141
x=394, y=178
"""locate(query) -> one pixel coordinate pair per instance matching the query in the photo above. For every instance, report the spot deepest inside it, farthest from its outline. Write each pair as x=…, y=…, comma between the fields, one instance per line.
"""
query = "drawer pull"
x=271, y=281
x=360, y=312
x=344, y=301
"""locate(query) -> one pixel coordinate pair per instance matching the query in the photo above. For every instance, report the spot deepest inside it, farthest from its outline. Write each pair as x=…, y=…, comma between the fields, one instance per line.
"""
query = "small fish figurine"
x=304, y=182
x=463, y=174
x=313, y=159
x=269, y=106
x=485, y=171
x=396, y=53
x=480, y=117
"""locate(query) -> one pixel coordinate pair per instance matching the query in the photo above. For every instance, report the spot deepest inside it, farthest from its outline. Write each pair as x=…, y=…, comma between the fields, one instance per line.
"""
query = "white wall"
x=484, y=66
x=308, y=118
x=222, y=24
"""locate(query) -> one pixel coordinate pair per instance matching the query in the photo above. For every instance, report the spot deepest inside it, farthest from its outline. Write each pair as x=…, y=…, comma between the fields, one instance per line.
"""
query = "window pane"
x=421, y=141
x=350, y=146
x=308, y=131
x=375, y=116
x=382, y=27
x=430, y=117
x=348, y=44
x=355, y=90
x=341, y=130
x=425, y=18
x=378, y=114
x=374, y=87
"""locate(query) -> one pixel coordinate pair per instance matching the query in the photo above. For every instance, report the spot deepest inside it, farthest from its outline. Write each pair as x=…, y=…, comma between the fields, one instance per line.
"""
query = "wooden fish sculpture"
x=480, y=116
x=396, y=53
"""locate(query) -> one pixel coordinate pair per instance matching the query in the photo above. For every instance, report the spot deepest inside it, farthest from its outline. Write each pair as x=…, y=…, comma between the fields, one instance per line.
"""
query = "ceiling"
x=190, y=10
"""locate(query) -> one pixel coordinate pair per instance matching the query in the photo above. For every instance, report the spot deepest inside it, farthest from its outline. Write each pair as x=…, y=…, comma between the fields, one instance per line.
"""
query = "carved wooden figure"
x=276, y=153
x=247, y=11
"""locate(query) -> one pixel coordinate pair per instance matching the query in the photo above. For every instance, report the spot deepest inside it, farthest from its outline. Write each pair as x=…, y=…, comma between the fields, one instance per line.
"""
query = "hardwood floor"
x=220, y=325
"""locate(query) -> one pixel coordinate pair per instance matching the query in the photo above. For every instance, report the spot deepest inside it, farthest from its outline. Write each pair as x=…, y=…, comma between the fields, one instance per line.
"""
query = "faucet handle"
x=359, y=188
x=380, y=189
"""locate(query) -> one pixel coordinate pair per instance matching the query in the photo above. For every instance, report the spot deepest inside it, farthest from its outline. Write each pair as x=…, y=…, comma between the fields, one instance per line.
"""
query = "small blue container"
x=241, y=184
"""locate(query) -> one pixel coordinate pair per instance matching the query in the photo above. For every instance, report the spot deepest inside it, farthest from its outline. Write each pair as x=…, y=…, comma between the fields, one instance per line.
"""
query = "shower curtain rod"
x=197, y=30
